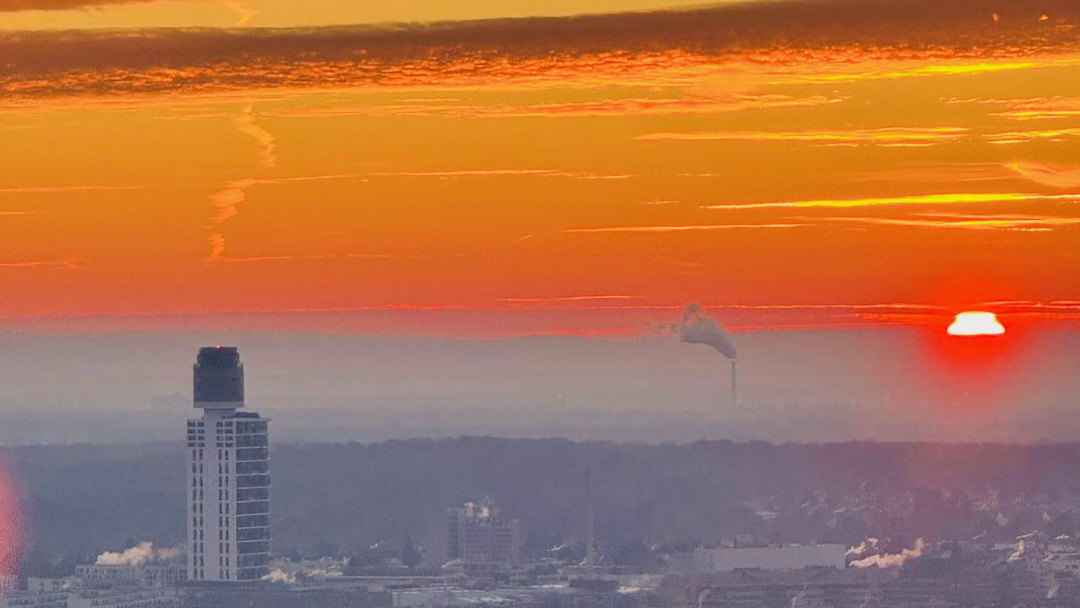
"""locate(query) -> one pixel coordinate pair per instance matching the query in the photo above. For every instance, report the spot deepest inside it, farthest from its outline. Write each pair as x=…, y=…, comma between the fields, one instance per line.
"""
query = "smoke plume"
x=699, y=328
x=891, y=560
x=138, y=555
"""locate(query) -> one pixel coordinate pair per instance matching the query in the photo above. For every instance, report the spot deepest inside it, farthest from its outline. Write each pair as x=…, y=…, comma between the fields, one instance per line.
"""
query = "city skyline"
x=551, y=303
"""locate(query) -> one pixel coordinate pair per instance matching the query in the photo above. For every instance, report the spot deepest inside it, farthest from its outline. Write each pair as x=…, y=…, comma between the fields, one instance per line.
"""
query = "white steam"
x=278, y=575
x=138, y=555
x=860, y=549
x=699, y=328
x=891, y=560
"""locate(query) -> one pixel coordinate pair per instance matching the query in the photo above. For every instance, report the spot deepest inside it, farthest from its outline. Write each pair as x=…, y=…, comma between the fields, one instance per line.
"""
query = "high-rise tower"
x=228, y=476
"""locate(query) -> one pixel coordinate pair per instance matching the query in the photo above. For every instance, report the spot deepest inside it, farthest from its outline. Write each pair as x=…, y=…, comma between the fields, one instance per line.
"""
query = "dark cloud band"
x=72, y=63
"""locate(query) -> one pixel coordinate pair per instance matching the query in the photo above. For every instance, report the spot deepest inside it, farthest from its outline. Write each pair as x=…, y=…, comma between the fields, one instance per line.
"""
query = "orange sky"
x=788, y=165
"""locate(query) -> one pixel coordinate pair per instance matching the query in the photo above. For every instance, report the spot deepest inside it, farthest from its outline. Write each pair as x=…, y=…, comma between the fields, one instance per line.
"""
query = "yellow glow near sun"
x=976, y=324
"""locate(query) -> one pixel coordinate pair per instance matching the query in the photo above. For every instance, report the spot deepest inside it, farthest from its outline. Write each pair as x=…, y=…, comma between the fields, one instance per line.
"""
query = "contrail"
x=228, y=200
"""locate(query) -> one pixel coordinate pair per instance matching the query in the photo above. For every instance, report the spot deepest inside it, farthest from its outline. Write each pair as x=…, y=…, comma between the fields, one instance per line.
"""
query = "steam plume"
x=860, y=549
x=699, y=328
x=891, y=560
x=278, y=575
x=137, y=556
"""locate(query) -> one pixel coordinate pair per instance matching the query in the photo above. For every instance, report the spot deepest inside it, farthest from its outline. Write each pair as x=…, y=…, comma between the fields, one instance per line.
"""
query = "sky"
x=515, y=169
x=791, y=164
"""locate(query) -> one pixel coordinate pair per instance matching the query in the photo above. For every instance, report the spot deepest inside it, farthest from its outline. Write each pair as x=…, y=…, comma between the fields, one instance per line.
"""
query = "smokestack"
x=734, y=383
x=699, y=328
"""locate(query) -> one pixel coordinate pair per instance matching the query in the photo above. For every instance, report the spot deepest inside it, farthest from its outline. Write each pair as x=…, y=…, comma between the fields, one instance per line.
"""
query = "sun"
x=976, y=324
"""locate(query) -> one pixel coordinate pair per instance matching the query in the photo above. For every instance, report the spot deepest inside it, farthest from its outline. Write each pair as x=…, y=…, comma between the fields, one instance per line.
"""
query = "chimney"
x=734, y=384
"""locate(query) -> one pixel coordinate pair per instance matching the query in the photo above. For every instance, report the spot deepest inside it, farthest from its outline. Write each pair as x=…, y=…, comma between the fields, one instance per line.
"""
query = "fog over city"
x=817, y=386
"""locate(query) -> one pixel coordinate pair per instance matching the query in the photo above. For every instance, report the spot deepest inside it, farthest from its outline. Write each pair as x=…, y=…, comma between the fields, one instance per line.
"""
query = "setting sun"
x=976, y=324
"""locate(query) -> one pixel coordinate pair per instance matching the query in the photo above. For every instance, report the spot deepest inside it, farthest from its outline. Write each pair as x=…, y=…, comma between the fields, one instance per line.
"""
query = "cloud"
x=1054, y=176
x=67, y=263
x=1022, y=137
x=228, y=200
x=571, y=299
x=763, y=42
x=7, y=6
x=245, y=123
x=63, y=189
x=602, y=108
x=500, y=173
x=217, y=247
x=688, y=228
x=958, y=198
x=1031, y=108
x=244, y=13
x=1013, y=222
x=889, y=137
x=296, y=258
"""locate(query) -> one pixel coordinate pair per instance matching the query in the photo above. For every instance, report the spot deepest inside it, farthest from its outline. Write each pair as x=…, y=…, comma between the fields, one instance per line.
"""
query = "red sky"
x=788, y=165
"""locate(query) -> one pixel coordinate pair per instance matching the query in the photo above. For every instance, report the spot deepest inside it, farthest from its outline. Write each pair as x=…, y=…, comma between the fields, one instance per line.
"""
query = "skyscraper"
x=229, y=476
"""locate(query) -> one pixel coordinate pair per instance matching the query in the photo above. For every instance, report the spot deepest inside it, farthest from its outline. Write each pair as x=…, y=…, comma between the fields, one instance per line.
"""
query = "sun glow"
x=976, y=324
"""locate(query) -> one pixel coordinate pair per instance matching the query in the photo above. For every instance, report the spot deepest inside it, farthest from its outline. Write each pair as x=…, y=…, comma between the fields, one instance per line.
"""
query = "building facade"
x=479, y=533
x=228, y=475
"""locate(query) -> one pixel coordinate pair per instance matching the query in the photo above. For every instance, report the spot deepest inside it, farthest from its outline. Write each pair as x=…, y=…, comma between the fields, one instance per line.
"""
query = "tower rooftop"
x=219, y=378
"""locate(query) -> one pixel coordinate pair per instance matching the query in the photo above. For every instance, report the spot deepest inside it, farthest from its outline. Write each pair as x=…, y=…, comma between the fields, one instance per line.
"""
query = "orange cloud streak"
x=1054, y=176
x=692, y=228
x=893, y=136
x=922, y=199
x=1032, y=223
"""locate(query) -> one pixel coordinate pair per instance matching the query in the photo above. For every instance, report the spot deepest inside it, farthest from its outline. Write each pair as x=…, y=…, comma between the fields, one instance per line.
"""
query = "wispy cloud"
x=301, y=258
x=228, y=200
x=500, y=173
x=1030, y=108
x=892, y=136
x=245, y=123
x=558, y=299
x=958, y=198
x=244, y=13
x=1022, y=137
x=1046, y=174
x=602, y=108
x=217, y=247
x=689, y=228
x=63, y=189
x=69, y=263
x=1010, y=222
